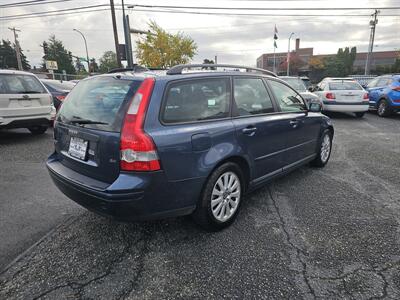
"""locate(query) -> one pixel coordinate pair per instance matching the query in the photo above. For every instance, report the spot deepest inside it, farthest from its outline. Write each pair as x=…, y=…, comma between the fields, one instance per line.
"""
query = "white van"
x=24, y=102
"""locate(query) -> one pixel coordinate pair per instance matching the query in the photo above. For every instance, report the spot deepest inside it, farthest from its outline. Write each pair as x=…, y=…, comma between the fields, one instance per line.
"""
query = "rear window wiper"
x=86, y=121
x=31, y=92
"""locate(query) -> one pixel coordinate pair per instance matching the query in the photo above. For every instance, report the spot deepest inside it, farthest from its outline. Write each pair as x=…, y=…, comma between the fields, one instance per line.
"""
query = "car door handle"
x=250, y=130
x=294, y=123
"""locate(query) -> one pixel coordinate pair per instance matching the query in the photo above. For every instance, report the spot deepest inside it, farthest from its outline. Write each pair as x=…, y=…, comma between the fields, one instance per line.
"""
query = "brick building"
x=379, y=58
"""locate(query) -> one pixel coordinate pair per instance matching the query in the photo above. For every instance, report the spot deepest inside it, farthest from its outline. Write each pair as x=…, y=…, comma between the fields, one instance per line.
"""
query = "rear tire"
x=324, y=150
x=359, y=114
x=221, y=198
x=383, y=108
x=37, y=129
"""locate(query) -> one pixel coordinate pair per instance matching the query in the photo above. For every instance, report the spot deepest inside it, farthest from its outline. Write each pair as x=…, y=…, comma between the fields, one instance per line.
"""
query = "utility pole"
x=288, y=55
x=17, y=47
x=372, y=24
x=114, y=23
x=127, y=35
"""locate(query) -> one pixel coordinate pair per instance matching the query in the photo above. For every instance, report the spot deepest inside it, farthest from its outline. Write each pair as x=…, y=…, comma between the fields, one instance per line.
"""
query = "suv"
x=24, y=102
x=384, y=94
x=136, y=146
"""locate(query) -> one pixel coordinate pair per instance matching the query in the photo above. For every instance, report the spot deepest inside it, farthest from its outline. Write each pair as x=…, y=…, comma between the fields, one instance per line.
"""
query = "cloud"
x=234, y=39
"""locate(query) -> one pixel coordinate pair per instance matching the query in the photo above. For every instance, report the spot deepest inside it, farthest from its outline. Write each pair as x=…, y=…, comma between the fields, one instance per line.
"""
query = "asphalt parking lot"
x=316, y=233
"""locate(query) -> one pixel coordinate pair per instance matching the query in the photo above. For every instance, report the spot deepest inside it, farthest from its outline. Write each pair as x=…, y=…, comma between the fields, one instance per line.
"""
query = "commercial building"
x=302, y=56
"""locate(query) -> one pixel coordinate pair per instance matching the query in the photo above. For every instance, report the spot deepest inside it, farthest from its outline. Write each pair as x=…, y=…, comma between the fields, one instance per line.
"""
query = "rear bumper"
x=25, y=122
x=346, y=107
x=132, y=196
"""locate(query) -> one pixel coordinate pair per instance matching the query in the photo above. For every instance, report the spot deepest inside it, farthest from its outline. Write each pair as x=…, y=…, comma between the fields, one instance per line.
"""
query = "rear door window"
x=197, y=100
x=251, y=97
x=288, y=99
x=98, y=101
x=20, y=84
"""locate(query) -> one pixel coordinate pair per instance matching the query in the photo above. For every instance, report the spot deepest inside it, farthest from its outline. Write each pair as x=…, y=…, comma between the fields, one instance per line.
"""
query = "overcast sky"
x=235, y=39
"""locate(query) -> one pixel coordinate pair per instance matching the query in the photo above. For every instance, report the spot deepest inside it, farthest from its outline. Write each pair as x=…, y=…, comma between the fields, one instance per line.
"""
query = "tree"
x=208, y=61
x=108, y=62
x=8, y=57
x=161, y=49
x=54, y=50
x=94, y=68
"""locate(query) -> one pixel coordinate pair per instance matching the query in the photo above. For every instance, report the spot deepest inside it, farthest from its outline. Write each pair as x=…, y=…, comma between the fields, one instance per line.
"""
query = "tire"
x=213, y=214
x=324, y=150
x=359, y=114
x=37, y=129
x=383, y=108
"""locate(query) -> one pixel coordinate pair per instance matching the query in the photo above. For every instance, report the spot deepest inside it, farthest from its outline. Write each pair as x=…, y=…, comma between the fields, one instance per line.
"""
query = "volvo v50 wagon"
x=138, y=146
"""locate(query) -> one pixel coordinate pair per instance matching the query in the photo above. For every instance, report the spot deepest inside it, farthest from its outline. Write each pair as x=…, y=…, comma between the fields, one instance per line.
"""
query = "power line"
x=261, y=8
x=30, y=3
x=255, y=14
x=59, y=14
x=54, y=11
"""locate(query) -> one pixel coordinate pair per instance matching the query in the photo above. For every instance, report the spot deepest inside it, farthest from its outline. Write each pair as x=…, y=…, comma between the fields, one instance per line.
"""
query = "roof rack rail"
x=136, y=68
x=176, y=70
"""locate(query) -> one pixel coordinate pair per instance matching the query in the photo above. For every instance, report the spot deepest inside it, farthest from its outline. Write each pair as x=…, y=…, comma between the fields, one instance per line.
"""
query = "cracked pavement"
x=315, y=234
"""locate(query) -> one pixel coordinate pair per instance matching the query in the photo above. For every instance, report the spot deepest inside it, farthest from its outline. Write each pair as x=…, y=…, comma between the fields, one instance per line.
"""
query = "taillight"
x=366, y=96
x=138, y=152
x=61, y=97
x=396, y=88
x=330, y=96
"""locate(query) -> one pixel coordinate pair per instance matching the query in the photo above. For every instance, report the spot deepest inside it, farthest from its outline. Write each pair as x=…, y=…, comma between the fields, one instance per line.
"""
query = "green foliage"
x=108, y=62
x=54, y=50
x=340, y=65
x=94, y=67
x=208, y=61
x=8, y=57
x=161, y=49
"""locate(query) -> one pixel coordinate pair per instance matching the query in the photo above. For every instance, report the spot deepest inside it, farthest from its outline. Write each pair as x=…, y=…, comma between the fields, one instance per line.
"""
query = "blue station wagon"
x=195, y=140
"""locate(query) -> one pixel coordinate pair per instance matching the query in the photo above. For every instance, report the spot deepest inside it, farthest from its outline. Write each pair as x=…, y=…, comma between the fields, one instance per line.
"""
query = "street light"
x=288, y=55
x=87, y=53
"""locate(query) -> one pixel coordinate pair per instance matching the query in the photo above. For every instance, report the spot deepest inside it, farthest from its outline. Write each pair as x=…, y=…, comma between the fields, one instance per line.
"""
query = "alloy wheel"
x=325, y=148
x=225, y=196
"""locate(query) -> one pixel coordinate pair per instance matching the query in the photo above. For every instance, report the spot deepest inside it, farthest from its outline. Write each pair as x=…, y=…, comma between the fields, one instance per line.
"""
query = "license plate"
x=77, y=148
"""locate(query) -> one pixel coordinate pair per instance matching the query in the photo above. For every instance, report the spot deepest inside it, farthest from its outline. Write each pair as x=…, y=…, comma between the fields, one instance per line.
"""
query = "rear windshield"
x=20, y=84
x=60, y=86
x=98, y=103
x=337, y=86
x=296, y=83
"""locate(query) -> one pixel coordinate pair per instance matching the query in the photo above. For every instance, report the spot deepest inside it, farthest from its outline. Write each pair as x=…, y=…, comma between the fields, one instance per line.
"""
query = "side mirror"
x=311, y=89
x=365, y=86
x=315, y=107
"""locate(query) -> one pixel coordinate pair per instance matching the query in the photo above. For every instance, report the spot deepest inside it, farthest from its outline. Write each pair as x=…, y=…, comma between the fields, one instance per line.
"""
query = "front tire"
x=383, y=108
x=359, y=114
x=324, y=150
x=221, y=197
x=37, y=129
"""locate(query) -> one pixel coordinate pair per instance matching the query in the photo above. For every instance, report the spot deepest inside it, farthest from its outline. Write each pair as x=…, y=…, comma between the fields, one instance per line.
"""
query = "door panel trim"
x=283, y=150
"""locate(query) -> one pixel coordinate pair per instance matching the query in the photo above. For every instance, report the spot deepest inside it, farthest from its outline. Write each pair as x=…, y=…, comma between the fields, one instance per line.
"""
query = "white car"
x=24, y=102
x=343, y=95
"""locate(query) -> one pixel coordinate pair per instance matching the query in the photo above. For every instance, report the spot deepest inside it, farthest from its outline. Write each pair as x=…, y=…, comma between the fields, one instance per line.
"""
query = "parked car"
x=343, y=95
x=306, y=81
x=58, y=89
x=24, y=102
x=384, y=94
x=142, y=147
x=298, y=84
